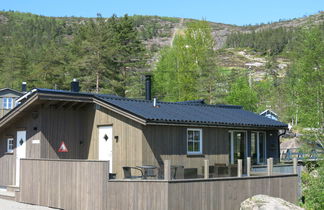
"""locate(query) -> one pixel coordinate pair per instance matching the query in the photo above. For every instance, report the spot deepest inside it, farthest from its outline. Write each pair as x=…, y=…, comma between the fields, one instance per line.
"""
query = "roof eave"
x=219, y=125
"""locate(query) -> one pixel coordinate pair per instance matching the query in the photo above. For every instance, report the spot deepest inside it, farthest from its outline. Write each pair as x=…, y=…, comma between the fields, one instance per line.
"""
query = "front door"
x=105, y=144
x=20, y=152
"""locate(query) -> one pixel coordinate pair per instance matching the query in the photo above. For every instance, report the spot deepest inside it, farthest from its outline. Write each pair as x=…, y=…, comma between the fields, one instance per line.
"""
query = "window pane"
x=196, y=146
x=9, y=103
x=197, y=136
x=190, y=146
x=239, y=146
x=190, y=135
x=261, y=148
x=254, y=147
x=5, y=103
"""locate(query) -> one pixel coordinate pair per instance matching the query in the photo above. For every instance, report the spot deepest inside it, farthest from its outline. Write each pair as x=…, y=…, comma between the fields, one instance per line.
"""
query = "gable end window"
x=194, y=141
x=10, y=145
x=8, y=103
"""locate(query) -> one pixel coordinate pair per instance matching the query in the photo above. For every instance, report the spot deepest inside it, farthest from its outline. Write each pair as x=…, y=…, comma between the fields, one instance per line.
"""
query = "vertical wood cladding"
x=170, y=143
x=65, y=125
x=127, y=139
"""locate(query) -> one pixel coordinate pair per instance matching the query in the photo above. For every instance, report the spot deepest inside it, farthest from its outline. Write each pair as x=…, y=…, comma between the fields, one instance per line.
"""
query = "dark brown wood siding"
x=170, y=143
x=127, y=139
x=71, y=126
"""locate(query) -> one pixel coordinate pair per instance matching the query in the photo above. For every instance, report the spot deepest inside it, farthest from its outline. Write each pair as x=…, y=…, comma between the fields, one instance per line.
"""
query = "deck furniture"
x=191, y=173
x=148, y=171
x=221, y=170
x=177, y=171
x=232, y=169
x=128, y=173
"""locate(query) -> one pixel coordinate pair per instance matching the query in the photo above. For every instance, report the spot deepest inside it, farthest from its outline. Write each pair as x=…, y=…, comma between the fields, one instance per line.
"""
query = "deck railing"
x=84, y=185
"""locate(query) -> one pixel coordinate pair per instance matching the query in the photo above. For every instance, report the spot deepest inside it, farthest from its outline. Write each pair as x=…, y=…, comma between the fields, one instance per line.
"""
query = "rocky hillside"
x=158, y=32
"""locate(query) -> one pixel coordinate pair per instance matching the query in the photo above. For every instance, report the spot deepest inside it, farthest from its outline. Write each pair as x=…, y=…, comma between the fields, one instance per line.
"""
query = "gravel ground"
x=12, y=205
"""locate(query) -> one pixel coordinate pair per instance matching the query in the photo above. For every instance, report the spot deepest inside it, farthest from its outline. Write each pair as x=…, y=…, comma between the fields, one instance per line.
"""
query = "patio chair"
x=128, y=172
x=221, y=170
x=232, y=170
x=177, y=172
x=190, y=173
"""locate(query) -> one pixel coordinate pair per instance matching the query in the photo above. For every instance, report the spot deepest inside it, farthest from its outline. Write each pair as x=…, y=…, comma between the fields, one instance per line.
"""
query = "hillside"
x=158, y=32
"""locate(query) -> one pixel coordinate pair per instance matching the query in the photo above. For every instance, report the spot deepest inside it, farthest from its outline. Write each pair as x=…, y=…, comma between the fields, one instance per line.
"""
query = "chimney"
x=24, y=87
x=148, y=90
x=75, y=86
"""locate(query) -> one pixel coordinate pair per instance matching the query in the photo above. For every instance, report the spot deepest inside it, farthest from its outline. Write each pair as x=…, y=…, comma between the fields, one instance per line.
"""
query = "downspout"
x=279, y=143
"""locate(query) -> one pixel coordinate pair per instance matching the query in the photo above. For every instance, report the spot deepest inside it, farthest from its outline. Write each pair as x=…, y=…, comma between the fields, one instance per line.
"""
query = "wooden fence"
x=84, y=185
x=7, y=170
x=66, y=184
x=210, y=194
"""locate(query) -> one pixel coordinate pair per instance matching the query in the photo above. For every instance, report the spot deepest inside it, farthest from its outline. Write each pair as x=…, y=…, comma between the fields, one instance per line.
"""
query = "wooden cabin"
x=8, y=99
x=131, y=132
x=270, y=114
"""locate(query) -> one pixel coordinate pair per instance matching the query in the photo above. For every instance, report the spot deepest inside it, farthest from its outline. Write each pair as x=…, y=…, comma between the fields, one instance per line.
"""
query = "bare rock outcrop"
x=265, y=202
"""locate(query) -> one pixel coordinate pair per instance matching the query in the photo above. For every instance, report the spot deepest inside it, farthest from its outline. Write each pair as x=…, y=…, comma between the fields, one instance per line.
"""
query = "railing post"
x=239, y=167
x=269, y=166
x=206, y=171
x=248, y=166
x=295, y=165
x=167, y=170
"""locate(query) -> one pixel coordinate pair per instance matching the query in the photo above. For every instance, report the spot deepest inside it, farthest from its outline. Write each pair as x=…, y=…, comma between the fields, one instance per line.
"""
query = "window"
x=194, y=141
x=8, y=103
x=258, y=147
x=10, y=145
x=238, y=146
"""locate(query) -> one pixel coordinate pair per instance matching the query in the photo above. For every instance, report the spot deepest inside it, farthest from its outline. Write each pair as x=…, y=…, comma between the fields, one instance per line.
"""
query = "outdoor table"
x=146, y=169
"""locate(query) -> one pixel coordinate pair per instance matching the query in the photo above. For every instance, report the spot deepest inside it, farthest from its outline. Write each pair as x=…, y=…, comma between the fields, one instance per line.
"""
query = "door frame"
x=19, y=156
x=258, y=146
x=231, y=161
x=112, y=148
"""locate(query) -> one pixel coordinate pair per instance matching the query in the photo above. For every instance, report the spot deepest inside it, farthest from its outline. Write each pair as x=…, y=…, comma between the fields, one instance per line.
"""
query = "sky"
x=238, y=12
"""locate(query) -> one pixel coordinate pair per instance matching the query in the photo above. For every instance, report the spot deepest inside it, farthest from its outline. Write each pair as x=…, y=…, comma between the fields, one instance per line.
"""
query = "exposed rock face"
x=265, y=202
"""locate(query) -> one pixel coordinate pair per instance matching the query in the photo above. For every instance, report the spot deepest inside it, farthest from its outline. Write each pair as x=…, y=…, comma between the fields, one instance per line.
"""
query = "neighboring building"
x=130, y=132
x=8, y=98
x=269, y=114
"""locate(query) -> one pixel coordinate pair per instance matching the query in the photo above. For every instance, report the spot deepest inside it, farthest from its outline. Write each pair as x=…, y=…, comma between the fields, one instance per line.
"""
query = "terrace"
x=85, y=184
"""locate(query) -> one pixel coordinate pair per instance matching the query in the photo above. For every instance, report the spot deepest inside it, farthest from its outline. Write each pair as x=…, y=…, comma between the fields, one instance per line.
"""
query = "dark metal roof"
x=189, y=112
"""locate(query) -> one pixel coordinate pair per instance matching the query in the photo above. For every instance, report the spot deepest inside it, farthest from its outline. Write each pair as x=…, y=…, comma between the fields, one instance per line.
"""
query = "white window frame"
x=8, y=144
x=5, y=102
x=232, y=144
x=200, y=141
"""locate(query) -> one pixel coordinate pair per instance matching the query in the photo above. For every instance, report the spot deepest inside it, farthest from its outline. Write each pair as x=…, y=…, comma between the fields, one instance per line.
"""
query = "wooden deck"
x=84, y=185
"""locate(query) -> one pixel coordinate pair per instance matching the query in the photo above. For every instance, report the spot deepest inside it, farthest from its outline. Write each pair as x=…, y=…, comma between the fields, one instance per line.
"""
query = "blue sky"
x=239, y=12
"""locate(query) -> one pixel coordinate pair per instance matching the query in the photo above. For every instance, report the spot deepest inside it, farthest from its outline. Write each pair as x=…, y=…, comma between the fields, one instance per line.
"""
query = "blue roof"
x=188, y=112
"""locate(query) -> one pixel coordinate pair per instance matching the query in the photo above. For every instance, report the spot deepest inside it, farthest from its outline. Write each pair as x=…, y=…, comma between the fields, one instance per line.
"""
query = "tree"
x=241, y=94
x=306, y=76
x=126, y=54
x=188, y=69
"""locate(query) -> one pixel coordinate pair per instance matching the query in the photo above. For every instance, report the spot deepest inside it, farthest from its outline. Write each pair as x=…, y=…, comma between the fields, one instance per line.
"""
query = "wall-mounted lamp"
x=116, y=138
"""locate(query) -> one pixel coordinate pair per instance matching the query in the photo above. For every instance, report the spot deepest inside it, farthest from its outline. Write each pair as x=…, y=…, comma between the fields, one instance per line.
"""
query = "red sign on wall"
x=63, y=147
